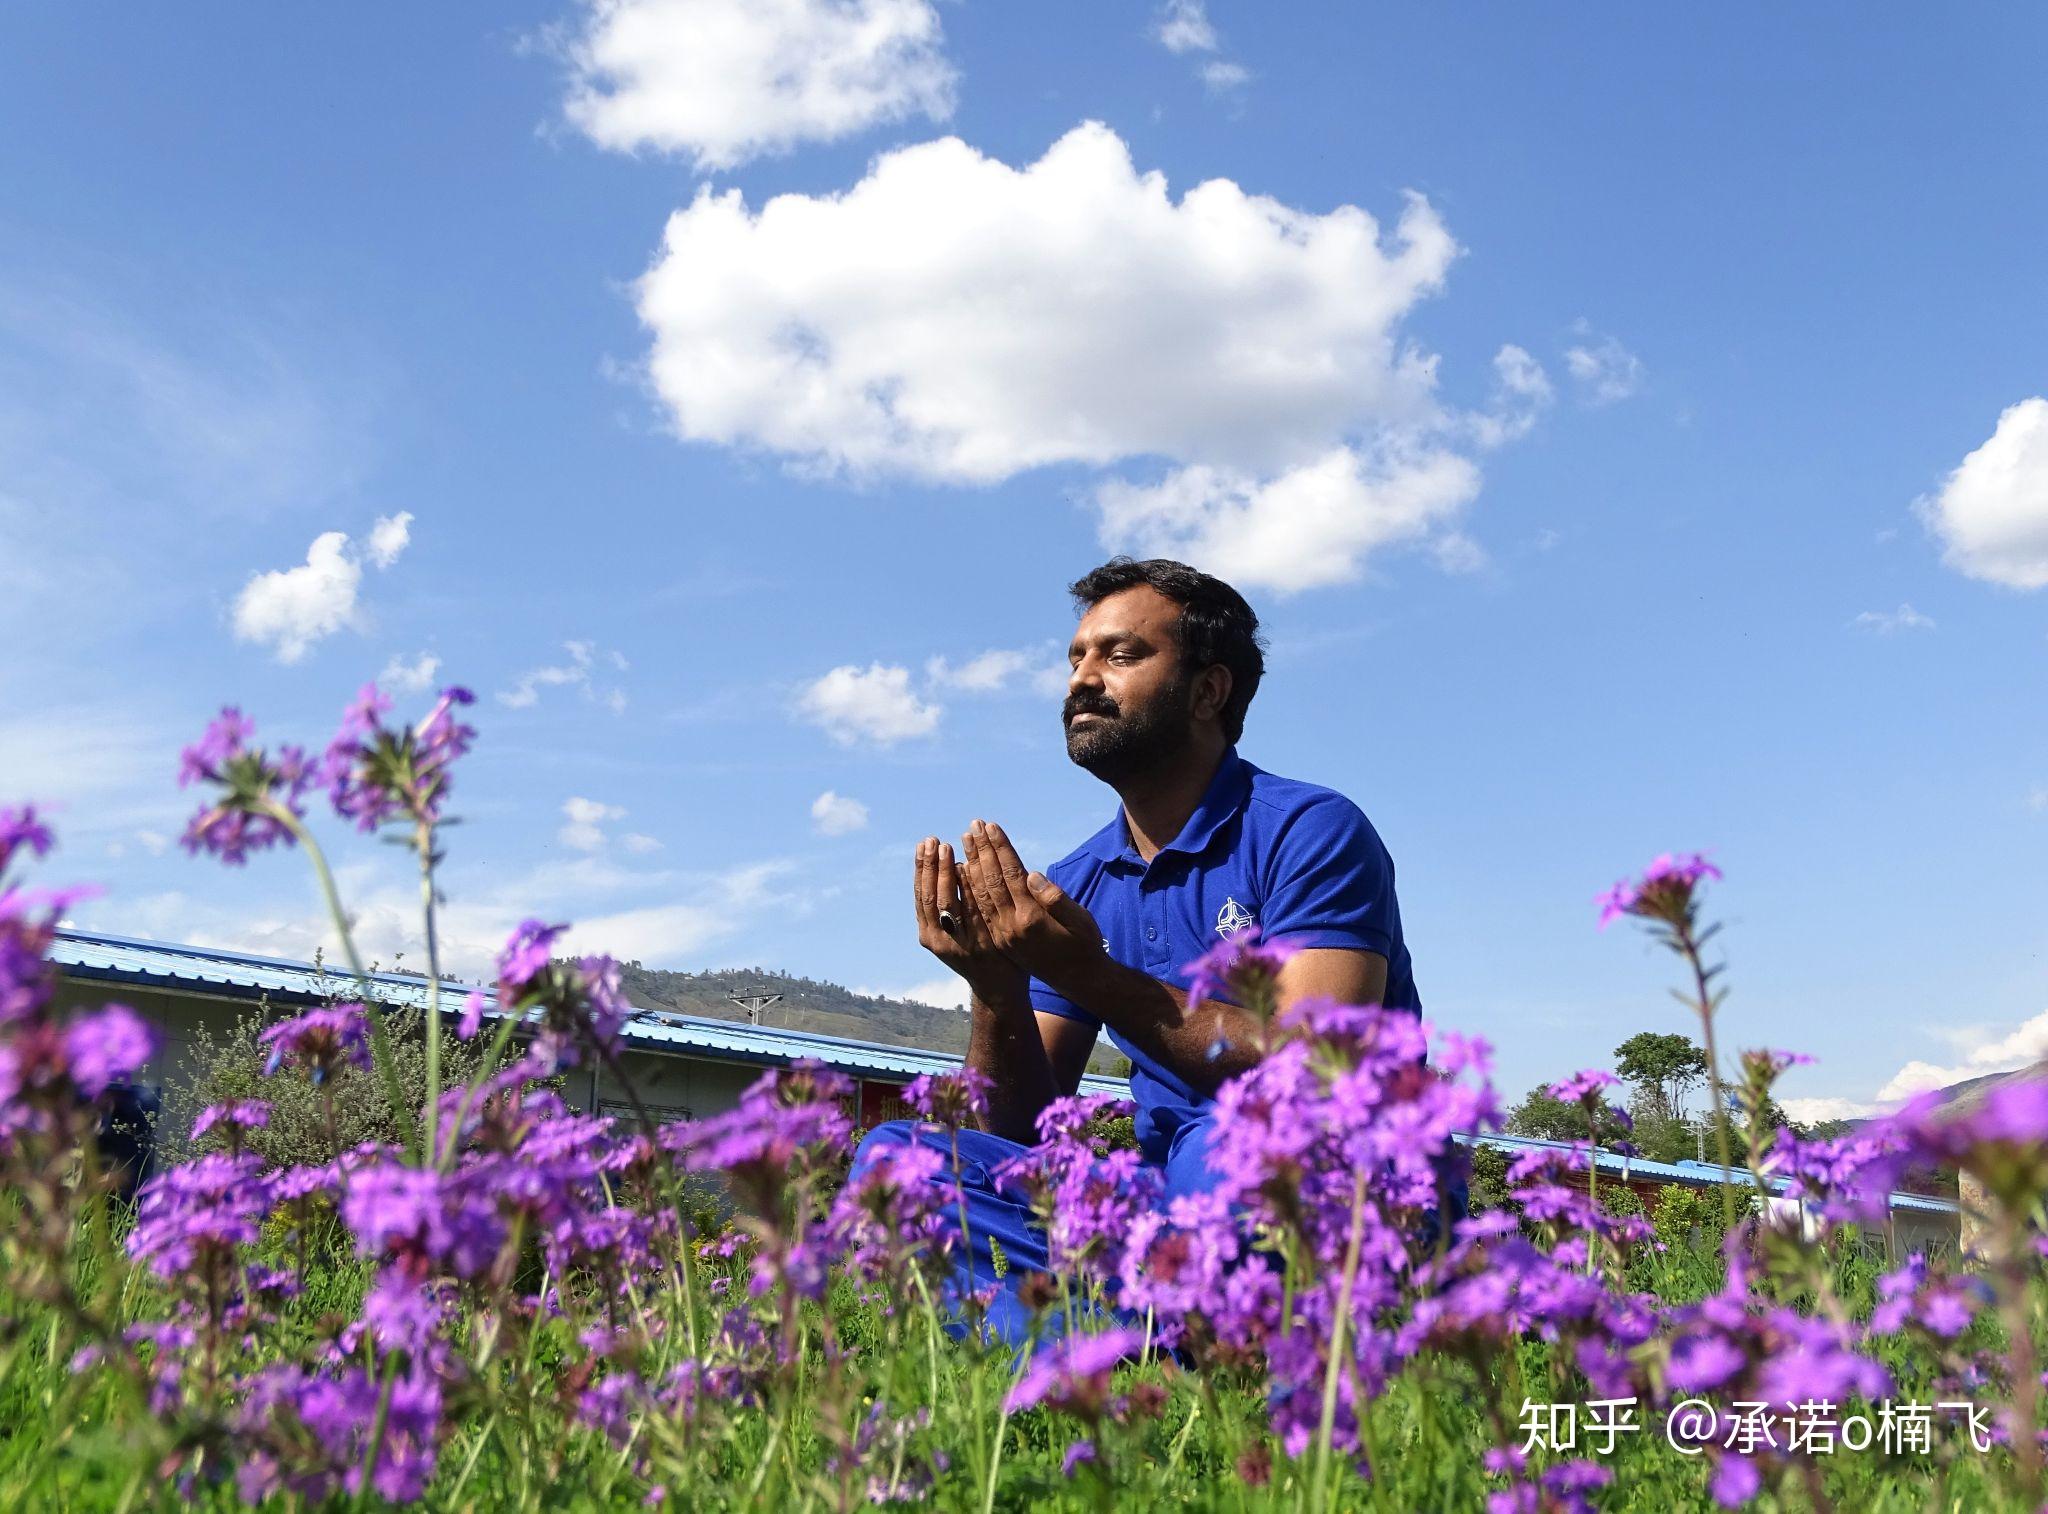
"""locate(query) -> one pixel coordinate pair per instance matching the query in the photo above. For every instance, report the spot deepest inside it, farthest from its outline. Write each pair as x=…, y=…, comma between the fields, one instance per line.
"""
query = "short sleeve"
x=1046, y=1002
x=1331, y=882
x=1044, y=999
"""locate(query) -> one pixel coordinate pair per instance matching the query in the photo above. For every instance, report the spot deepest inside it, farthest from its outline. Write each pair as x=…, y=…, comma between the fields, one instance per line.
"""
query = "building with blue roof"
x=682, y=1066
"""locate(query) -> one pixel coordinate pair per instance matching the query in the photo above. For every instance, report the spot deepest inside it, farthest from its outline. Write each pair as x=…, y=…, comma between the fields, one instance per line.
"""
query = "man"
x=1165, y=662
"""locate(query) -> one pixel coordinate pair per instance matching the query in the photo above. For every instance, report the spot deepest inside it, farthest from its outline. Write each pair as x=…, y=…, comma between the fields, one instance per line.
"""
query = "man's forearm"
x=1153, y=1017
x=1003, y=1043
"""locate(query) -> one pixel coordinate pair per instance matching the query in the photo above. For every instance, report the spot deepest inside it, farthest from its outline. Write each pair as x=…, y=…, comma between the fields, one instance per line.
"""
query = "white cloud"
x=873, y=704
x=727, y=80
x=947, y=992
x=291, y=609
x=580, y=673
x=638, y=844
x=1308, y=528
x=414, y=677
x=1605, y=371
x=1884, y=622
x=389, y=537
x=2020, y=1047
x=156, y=843
x=1992, y=513
x=976, y=320
x=2037, y=798
x=1827, y=1107
x=837, y=815
x=1522, y=392
x=1220, y=74
x=988, y=673
x=585, y=819
x=85, y=756
x=1184, y=27
x=668, y=933
x=672, y=917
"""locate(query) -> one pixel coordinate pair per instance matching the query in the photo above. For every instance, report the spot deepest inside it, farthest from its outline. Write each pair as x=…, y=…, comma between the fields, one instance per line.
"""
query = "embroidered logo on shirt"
x=1232, y=918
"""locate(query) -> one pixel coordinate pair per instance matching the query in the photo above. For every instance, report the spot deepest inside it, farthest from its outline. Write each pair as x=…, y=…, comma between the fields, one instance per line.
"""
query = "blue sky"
x=1663, y=464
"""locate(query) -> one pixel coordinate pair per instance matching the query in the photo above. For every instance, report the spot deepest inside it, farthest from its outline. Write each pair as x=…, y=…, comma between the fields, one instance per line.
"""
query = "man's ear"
x=1212, y=692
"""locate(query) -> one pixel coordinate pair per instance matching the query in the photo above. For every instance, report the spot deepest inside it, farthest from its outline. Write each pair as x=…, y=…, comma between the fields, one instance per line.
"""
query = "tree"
x=1543, y=1117
x=1661, y=1068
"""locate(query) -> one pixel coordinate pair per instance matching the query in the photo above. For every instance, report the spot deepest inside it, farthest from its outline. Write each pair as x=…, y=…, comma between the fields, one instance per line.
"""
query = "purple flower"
x=323, y=1041
x=256, y=791
x=340, y=1412
x=1067, y=1117
x=525, y=957
x=951, y=1098
x=1073, y=1376
x=250, y=1114
x=375, y=774
x=1702, y=1363
x=20, y=831
x=1663, y=892
x=106, y=1047
x=1735, y=1480
x=193, y=1217
x=402, y=1311
x=1077, y=1453
x=1584, y=1087
x=446, y=1218
x=1239, y=968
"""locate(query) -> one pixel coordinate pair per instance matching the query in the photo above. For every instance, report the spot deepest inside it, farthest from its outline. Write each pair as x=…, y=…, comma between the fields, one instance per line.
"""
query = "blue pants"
x=1005, y=1219
x=997, y=1218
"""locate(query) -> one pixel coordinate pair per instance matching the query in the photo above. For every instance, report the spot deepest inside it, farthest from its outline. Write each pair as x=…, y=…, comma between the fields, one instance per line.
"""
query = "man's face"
x=1129, y=705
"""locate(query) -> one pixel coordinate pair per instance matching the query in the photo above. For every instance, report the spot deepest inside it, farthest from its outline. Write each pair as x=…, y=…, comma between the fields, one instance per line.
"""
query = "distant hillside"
x=1971, y=1089
x=824, y=1009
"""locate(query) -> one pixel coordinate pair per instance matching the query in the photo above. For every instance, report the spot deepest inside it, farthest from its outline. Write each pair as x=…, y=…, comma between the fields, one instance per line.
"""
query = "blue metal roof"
x=1695, y=1174
x=92, y=956
x=178, y=968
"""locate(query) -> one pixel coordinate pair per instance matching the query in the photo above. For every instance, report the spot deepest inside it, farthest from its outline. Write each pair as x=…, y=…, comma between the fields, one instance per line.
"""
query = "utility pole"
x=753, y=1004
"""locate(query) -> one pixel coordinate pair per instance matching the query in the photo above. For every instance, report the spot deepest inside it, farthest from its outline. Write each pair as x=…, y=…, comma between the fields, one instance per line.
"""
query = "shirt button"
x=1151, y=934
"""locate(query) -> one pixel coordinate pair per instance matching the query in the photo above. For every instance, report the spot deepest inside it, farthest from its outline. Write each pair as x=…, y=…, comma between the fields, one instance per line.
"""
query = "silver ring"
x=949, y=922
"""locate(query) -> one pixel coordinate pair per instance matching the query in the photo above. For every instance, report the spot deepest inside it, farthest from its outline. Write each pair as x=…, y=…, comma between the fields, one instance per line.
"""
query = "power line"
x=753, y=1004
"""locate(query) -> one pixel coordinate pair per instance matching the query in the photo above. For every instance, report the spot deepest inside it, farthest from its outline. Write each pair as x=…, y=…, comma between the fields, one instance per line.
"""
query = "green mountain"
x=824, y=1009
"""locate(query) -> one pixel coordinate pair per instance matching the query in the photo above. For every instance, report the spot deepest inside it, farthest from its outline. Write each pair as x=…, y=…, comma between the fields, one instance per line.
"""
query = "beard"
x=1127, y=744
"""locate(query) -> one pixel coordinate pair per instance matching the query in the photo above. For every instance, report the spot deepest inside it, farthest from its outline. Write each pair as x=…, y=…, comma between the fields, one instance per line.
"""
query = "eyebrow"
x=1107, y=639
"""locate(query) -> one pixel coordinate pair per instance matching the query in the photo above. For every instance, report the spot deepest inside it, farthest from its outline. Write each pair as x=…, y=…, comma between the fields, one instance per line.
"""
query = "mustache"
x=1074, y=705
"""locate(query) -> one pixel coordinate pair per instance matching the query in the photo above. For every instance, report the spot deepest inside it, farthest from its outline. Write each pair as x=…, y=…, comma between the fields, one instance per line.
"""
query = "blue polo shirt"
x=1301, y=861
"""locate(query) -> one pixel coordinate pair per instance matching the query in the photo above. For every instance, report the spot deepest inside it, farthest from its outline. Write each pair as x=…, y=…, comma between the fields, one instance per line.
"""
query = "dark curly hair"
x=1216, y=625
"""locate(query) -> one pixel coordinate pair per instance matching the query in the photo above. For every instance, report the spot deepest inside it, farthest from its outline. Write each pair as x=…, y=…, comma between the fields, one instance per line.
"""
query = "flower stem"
x=380, y=1043
x=423, y=842
x=1325, y=1432
x=507, y=1024
x=1703, y=998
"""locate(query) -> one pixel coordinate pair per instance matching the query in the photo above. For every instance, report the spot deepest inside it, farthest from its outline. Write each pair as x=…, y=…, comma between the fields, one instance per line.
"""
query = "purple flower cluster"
x=21, y=831
x=53, y=1067
x=258, y=795
x=952, y=1099
x=1663, y=892
x=322, y=1041
x=579, y=1006
x=371, y=773
x=376, y=775
x=1322, y=1265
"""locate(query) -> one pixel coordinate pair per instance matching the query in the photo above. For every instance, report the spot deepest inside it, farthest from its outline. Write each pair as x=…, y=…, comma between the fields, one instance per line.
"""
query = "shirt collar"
x=1228, y=789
